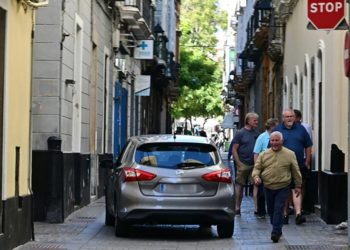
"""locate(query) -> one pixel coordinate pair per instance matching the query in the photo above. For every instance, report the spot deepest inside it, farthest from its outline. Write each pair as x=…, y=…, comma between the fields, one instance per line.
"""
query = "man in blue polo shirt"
x=297, y=139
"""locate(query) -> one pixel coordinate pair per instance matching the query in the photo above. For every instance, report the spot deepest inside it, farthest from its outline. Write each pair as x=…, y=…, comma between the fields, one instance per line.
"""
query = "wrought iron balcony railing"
x=260, y=19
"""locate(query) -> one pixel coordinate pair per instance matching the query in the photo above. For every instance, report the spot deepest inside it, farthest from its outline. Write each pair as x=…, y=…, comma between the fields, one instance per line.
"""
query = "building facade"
x=283, y=64
x=314, y=82
x=73, y=89
x=16, y=27
x=90, y=61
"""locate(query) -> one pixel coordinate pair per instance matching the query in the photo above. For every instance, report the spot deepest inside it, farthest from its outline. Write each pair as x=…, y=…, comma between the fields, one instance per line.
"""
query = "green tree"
x=200, y=21
x=200, y=74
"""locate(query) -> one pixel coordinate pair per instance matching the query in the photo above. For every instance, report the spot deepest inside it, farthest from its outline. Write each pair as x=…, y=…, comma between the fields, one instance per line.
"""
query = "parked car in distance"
x=169, y=179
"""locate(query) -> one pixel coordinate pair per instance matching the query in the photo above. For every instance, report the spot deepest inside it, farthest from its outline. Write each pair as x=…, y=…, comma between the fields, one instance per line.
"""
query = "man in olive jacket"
x=276, y=167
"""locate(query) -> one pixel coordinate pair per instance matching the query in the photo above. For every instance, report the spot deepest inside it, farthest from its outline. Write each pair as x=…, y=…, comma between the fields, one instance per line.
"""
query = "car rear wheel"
x=225, y=230
x=121, y=229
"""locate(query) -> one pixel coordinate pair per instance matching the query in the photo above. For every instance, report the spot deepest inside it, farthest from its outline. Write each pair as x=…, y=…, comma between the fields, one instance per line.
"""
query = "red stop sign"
x=325, y=14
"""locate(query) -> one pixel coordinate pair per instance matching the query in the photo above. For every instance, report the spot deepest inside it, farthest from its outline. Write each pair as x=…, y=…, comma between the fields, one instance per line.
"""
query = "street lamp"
x=231, y=78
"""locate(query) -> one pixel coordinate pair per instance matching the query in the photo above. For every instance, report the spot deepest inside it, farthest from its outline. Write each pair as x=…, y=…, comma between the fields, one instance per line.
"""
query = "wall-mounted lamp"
x=158, y=30
x=231, y=77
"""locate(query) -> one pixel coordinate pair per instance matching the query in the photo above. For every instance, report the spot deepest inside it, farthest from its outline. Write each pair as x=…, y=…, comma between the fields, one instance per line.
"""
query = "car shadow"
x=182, y=232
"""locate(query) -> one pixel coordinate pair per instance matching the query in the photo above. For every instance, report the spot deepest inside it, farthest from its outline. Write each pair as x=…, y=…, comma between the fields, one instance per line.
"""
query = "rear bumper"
x=136, y=208
x=214, y=217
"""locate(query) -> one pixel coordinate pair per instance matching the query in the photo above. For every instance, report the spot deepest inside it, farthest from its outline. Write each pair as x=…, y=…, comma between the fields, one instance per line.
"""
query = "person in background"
x=196, y=130
x=242, y=151
x=307, y=172
x=298, y=118
x=298, y=140
x=229, y=160
x=276, y=167
x=261, y=145
x=202, y=133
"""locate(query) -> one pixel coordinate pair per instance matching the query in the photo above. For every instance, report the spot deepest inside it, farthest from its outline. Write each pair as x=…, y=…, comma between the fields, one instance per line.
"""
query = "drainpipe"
x=30, y=172
x=348, y=140
x=64, y=35
x=348, y=1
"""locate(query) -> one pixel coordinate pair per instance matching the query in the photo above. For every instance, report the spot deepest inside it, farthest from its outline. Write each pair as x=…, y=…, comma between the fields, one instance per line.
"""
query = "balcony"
x=248, y=76
x=285, y=8
x=137, y=16
x=239, y=87
x=275, y=50
x=140, y=30
x=257, y=28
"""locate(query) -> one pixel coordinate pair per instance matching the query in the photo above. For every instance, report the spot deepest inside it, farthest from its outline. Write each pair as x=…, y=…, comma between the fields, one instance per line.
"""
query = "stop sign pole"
x=326, y=15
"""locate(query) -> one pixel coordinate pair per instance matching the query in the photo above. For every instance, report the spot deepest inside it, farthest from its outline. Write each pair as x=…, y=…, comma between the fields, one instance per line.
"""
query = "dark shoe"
x=259, y=215
x=285, y=220
x=300, y=219
x=275, y=237
x=304, y=212
x=238, y=212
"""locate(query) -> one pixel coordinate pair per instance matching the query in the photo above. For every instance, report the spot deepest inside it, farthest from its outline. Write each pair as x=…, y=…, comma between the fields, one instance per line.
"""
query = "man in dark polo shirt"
x=297, y=139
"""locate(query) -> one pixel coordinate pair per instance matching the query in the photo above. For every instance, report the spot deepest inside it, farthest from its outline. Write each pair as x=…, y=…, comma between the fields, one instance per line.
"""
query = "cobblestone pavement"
x=85, y=229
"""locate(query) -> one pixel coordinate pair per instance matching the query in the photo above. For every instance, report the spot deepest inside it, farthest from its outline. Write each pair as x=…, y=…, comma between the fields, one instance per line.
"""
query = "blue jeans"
x=275, y=200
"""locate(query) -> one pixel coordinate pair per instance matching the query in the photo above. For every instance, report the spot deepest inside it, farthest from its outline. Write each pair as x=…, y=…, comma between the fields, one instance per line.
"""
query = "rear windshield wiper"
x=190, y=165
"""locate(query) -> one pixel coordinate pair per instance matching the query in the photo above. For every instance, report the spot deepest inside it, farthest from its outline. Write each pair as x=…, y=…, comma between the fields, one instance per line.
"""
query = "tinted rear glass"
x=176, y=155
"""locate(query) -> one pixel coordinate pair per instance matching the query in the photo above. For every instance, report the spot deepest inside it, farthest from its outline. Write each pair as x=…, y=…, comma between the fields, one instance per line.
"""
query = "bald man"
x=276, y=167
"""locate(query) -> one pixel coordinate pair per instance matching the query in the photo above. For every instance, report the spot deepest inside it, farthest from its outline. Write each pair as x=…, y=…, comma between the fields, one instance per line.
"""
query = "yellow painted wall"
x=17, y=97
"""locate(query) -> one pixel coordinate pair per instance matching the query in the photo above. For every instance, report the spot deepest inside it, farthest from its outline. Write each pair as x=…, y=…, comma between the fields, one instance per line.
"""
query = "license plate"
x=178, y=188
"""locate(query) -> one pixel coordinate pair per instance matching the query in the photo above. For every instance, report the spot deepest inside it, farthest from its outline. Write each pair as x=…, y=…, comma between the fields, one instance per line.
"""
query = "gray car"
x=170, y=179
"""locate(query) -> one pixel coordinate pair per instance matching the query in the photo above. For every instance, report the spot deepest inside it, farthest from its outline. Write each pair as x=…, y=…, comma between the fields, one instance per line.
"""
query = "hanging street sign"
x=144, y=49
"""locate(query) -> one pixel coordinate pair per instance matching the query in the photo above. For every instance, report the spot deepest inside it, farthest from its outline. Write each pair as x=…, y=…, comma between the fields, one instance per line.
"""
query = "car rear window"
x=176, y=155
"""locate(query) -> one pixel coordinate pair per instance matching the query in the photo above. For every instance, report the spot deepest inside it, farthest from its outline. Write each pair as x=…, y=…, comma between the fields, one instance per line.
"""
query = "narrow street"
x=85, y=229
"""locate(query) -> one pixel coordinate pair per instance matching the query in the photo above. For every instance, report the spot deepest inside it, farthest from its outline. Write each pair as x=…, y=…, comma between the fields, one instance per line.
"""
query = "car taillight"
x=223, y=175
x=132, y=174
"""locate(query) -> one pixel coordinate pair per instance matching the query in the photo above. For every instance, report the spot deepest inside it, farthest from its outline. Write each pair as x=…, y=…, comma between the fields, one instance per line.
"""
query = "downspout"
x=63, y=37
x=30, y=172
x=348, y=106
x=63, y=34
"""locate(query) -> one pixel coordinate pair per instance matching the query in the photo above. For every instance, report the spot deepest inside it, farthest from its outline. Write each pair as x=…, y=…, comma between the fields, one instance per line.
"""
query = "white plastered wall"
x=301, y=42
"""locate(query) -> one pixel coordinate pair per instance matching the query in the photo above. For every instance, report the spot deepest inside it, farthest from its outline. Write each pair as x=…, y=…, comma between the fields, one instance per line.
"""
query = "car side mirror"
x=107, y=163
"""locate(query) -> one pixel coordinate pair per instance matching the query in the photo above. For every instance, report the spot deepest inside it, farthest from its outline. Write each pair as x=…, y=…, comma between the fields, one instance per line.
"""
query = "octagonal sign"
x=325, y=14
